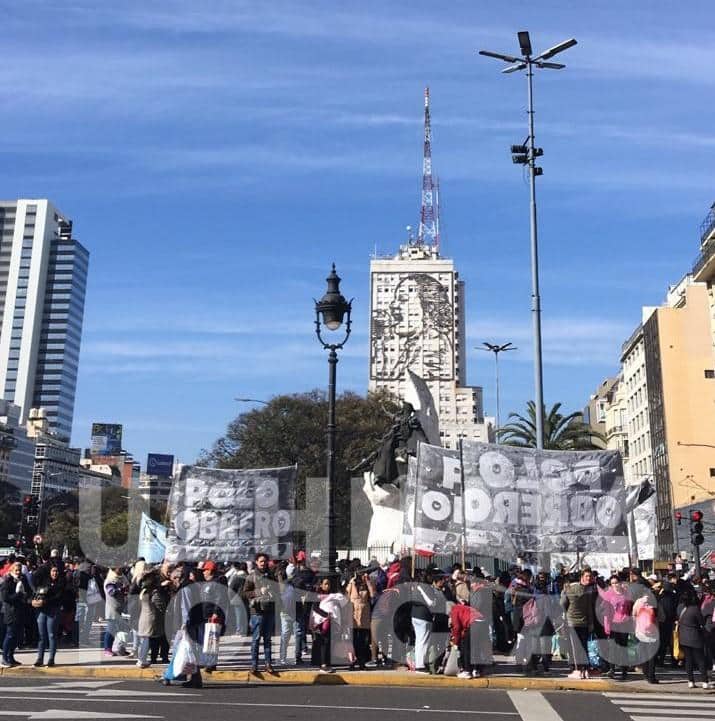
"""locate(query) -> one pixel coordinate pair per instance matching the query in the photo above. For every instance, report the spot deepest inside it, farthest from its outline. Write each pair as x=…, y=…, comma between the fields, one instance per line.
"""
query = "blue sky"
x=216, y=157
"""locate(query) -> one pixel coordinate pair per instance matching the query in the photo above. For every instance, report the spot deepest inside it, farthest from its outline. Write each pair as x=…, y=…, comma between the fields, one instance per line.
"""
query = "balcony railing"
x=708, y=225
x=706, y=252
x=707, y=241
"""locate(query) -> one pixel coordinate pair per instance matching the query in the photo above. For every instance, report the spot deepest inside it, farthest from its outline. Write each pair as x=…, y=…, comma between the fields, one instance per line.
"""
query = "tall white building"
x=635, y=384
x=43, y=278
x=417, y=320
x=417, y=324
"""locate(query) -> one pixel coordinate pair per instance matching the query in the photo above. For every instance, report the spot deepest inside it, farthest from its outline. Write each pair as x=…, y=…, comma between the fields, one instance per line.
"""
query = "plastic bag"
x=212, y=635
x=186, y=661
x=93, y=594
x=171, y=673
x=594, y=655
x=451, y=667
x=119, y=647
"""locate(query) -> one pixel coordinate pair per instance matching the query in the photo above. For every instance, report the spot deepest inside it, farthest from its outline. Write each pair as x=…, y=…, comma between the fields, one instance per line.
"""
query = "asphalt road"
x=66, y=699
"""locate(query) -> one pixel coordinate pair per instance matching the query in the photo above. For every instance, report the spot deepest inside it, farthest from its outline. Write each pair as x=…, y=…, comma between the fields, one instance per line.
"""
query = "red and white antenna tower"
x=429, y=216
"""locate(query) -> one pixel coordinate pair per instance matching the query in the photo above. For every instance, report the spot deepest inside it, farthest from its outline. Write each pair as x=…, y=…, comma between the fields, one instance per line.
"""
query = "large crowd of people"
x=380, y=614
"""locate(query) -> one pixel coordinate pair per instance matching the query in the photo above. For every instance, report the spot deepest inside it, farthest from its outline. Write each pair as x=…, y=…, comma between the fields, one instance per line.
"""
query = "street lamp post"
x=497, y=349
x=526, y=155
x=332, y=307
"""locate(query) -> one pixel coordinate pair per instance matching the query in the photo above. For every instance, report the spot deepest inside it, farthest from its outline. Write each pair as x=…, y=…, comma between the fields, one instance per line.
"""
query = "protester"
x=578, y=602
x=691, y=635
x=15, y=594
x=361, y=592
x=115, y=593
x=613, y=608
x=645, y=614
x=257, y=590
x=47, y=601
x=153, y=602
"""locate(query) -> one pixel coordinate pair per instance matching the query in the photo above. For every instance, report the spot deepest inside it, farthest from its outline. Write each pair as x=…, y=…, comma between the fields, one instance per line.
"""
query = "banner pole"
x=414, y=510
x=464, y=505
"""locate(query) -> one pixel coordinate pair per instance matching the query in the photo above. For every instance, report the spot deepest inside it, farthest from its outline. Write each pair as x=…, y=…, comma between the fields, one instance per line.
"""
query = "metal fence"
x=490, y=564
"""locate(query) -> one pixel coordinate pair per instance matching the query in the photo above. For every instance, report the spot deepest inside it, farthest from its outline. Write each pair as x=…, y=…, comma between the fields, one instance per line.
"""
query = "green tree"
x=291, y=429
x=62, y=521
x=561, y=433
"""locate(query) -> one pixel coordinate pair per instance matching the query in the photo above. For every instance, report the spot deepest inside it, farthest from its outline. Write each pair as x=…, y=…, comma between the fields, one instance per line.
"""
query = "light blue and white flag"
x=152, y=540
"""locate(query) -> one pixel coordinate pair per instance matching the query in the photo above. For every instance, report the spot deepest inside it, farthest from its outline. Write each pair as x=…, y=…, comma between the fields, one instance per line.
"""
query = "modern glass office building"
x=43, y=278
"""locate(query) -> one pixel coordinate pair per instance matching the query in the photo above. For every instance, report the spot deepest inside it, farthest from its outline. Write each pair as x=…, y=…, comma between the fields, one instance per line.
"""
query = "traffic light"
x=26, y=503
x=696, y=528
x=678, y=517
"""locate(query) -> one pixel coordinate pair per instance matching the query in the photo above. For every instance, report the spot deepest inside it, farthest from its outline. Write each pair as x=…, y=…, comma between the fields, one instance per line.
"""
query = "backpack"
x=531, y=613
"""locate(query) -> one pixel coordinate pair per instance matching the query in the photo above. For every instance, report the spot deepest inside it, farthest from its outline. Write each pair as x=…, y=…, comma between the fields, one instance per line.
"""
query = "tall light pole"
x=332, y=307
x=497, y=349
x=526, y=155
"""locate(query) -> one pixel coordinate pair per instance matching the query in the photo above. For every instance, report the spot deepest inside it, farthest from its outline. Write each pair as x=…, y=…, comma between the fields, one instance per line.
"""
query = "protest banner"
x=152, y=540
x=507, y=500
x=230, y=515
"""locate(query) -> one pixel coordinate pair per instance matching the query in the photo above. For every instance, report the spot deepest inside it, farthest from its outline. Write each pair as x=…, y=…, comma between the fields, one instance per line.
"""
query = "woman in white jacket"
x=327, y=620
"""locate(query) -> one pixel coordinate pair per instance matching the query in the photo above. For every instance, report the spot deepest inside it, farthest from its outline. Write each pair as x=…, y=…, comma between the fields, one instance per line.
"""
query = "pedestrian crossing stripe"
x=636, y=698
x=658, y=707
x=665, y=713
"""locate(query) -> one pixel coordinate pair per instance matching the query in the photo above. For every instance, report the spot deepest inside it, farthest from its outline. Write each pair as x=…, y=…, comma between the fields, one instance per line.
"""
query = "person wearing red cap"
x=205, y=602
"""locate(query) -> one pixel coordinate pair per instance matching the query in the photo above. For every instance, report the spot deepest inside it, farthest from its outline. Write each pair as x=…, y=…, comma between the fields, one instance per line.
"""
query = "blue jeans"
x=47, y=634
x=262, y=626
x=289, y=627
x=109, y=633
x=12, y=635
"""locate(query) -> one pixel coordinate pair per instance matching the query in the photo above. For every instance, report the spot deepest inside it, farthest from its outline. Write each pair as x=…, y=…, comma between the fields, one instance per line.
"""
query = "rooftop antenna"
x=429, y=221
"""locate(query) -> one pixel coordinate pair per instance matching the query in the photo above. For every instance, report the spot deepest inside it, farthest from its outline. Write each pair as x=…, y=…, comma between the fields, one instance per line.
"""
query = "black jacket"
x=668, y=601
x=15, y=605
x=691, y=627
x=52, y=593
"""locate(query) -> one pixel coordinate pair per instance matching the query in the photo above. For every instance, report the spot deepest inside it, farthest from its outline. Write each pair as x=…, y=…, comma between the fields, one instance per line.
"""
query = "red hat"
x=300, y=556
x=209, y=566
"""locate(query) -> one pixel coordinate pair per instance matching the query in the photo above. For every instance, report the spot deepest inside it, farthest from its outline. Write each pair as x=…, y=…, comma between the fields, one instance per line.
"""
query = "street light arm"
x=500, y=56
x=556, y=49
x=514, y=68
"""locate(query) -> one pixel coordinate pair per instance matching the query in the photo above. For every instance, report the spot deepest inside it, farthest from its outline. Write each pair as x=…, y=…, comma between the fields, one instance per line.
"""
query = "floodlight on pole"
x=497, y=349
x=527, y=62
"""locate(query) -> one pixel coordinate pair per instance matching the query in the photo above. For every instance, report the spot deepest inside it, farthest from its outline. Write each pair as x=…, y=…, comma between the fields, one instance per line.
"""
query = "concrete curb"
x=369, y=678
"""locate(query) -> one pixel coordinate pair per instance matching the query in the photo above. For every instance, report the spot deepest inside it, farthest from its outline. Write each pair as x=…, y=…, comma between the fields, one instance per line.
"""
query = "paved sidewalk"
x=234, y=663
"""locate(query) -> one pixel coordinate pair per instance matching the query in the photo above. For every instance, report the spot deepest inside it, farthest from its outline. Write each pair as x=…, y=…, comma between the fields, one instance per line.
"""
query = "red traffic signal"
x=678, y=517
x=696, y=516
x=26, y=501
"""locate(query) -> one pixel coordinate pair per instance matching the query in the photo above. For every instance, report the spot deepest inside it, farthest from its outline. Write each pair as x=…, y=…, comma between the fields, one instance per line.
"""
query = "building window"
x=712, y=473
x=710, y=373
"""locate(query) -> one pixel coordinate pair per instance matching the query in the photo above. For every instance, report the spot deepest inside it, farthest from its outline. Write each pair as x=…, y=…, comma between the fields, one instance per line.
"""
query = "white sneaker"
x=706, y=685
x=464, y=674
x=691, y=684
x=476, y=674
x=575, y=674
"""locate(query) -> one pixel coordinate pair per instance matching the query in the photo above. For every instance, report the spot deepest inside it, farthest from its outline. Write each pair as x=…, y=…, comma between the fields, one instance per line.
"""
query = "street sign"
x=37, y=540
